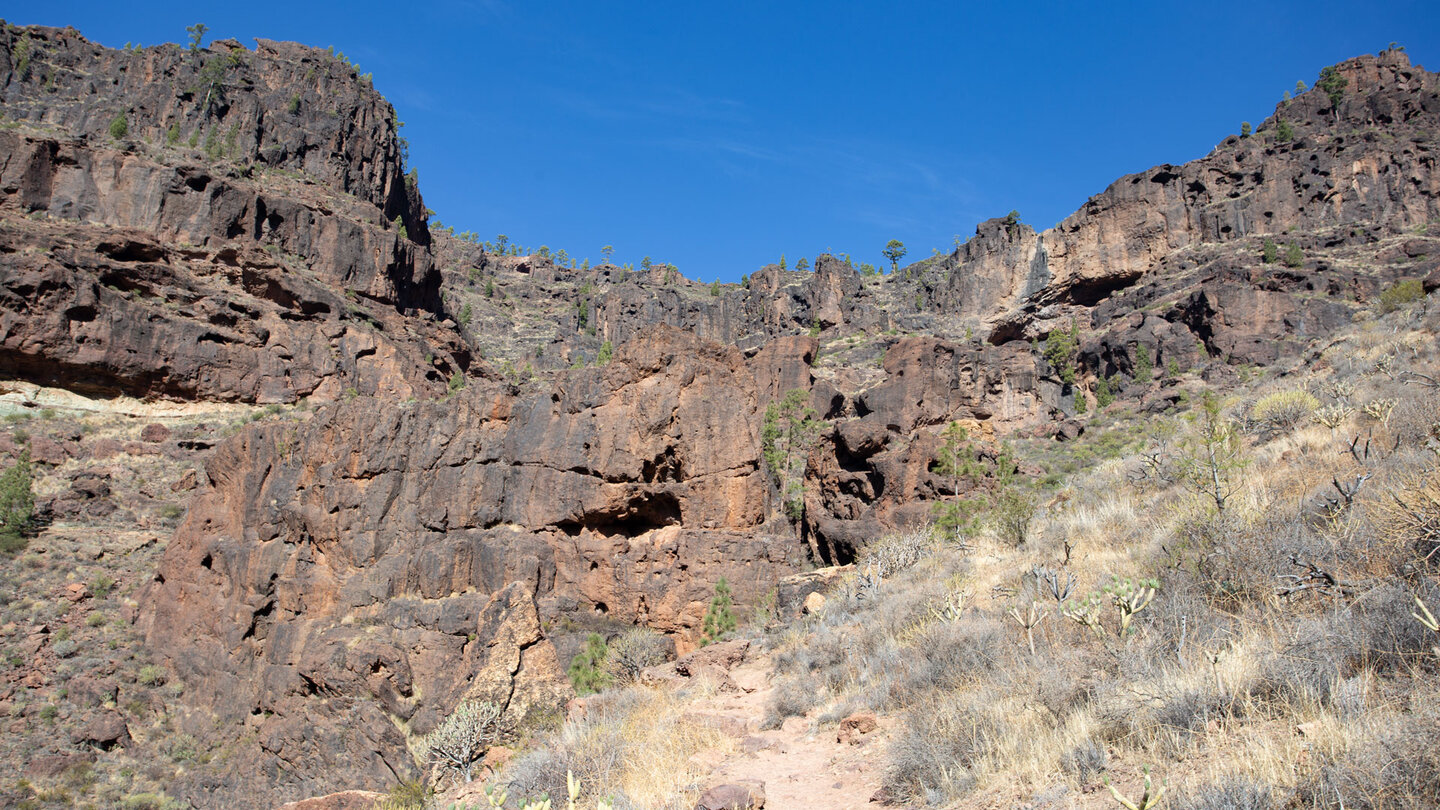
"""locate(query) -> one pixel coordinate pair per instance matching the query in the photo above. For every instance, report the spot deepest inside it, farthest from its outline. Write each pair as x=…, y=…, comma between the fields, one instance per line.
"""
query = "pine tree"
x=894, y=251
x=719, y=619
x=587, y=668
x=17, y=503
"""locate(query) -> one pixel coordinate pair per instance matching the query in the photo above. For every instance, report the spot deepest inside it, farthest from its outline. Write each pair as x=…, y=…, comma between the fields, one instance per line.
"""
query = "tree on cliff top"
x=894, y=251
x=197, y=35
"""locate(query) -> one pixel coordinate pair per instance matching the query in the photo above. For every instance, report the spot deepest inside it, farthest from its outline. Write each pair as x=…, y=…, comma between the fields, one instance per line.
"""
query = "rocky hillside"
x=505, y=452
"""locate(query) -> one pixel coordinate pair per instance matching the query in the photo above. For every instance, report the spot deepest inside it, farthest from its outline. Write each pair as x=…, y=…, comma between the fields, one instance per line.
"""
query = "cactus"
x=1427, y=618
x=1028, y=621
x=950, y=607
x=1085, y=613
x=1147, y=802
x=1130, y=597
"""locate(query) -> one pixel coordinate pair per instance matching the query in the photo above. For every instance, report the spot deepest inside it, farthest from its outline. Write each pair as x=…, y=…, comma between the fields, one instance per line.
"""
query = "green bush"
x=719, y=618
x=1293, y=257
x=1284, y=409
x=118, y=127
x=17, y=504
x=1061, y=347
x=1012, y=515
x=1104, y=392
x=1283, y=131
x=1401, y=293
x=587, y=668
x=1144, y=365
x=1269, y=252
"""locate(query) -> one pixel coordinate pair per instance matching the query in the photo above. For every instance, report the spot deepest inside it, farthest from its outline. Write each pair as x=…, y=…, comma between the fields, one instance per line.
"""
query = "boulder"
x=740, y=796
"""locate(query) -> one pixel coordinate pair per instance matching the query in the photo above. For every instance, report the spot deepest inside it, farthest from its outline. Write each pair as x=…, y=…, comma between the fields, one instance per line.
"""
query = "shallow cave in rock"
x=642, y=513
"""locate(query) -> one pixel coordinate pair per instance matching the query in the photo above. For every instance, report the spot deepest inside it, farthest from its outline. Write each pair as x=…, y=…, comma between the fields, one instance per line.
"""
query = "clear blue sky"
x=720, y=136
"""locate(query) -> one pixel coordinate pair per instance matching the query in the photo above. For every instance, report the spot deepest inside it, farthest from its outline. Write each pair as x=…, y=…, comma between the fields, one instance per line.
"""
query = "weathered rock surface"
x=143, y=265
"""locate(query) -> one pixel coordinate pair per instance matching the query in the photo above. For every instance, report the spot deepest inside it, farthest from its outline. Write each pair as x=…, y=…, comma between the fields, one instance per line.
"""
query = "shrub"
x=937, y=745
x=633, y=745
x=1284, y=409
x=1144, y=364
x=151, y=801
x=151, y=675
x=1245, y=129
x=719, y=618
x=792, y=696
x=1085, y=761
x=587, y=668
x=457, y=381
x=1409, y=515
x=118, y=127
x=1269, y=252
x=408, y=795
x=1012, y=515
x=17, y=504
x=1401, y=293
x=1283, y=131
x=1104, y=393
x=1395, y=765
x=1293, y=257
x=1061, y=346
x=632, y=652
x=459, y=742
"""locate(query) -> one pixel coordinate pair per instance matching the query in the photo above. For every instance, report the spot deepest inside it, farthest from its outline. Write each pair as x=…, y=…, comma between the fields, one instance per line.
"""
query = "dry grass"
x=1221, y=669
x=633, y=744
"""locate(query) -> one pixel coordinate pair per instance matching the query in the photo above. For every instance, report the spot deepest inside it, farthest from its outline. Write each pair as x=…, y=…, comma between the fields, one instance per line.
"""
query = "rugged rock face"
x=1337, y=169
x=393, y=566
x=140, y=264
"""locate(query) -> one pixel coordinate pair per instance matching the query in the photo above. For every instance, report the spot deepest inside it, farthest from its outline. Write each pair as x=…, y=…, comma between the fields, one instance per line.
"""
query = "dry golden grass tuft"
x=635, y=744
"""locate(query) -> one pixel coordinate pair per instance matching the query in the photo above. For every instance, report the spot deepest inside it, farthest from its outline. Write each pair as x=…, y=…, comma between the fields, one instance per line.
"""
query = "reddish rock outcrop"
x=362, y=577
x=146, y=265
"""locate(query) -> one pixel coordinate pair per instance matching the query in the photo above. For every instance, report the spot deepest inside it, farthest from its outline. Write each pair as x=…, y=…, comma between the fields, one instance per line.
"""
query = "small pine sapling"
x=719, y=618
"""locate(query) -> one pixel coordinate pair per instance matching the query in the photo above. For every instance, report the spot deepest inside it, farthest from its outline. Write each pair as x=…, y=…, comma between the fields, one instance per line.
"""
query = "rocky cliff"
x=237, y=225
x=223, y=224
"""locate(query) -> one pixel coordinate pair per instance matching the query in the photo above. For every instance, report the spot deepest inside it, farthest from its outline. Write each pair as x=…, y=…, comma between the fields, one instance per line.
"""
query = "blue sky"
x=720, y=136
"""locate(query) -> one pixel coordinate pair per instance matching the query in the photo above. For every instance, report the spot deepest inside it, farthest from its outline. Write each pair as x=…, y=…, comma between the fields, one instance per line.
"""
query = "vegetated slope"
x=343, y=580
x=1230, y=596
x=1283, y=660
